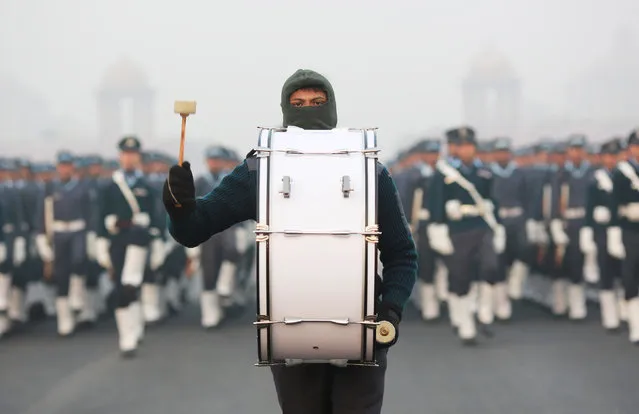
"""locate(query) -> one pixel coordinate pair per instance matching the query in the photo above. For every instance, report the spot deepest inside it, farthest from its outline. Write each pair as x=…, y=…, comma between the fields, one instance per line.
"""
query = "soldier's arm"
x=157, y=221
x=555, y=191
x=436, y=199
x=40, y=219
x=396, y=245
x=2, y=238
x=233, y=201
x=105, y=209
x=617, y=197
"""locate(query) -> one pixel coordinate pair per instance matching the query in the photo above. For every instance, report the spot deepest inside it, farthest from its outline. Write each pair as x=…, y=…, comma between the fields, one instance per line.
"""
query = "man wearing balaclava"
x=308, y=102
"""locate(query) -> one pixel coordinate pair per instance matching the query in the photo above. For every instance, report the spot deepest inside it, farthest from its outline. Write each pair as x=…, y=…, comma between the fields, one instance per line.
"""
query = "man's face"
x=466, y=152
x=65, y=171
x=541, y=157
x=452, y=149
x=575, y=154
x=429, y=158
x=215, y=165
x=633, y=151
x=502, y=157
x=95, y=170
x=609, y=160
x=308, y=97
x=129, y=160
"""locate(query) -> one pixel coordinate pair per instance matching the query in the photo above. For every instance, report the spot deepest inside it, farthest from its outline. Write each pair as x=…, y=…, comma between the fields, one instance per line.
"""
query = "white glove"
x=542, y=234
x=439, y=239
x=91, y=241
x=109, y=223
x=157, y=254
x=558, y=234
x=499, y=239
x=453, y=210
x=532, y=232
x=44, y=248
x=615, y=243
x=193, y=252
x=19, y=251
x=3, y=253
x=591, y=268
x=587, y=241
x=102, y=252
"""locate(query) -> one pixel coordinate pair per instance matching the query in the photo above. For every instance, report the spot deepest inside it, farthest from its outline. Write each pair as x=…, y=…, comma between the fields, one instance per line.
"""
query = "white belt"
x=423, y=214
x=468, y=210
x=68, y=226
x=630, y=211
x=510, y=212
x=575, y=213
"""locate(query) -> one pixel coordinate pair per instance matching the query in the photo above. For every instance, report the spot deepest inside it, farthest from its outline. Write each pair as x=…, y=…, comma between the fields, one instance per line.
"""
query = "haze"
x=395, y=65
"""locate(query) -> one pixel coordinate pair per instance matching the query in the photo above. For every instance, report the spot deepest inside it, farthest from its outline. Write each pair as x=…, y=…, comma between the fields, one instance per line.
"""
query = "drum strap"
x=627, y=170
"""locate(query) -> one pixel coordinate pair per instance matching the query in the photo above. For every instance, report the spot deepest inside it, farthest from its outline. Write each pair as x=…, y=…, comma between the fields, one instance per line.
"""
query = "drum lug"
x=346, y=186
x=286, y=186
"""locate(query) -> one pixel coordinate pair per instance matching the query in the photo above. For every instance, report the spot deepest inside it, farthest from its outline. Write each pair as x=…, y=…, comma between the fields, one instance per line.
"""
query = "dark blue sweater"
x=234, y=201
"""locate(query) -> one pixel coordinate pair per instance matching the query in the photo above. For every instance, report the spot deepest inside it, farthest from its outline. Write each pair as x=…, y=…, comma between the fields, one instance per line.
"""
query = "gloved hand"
x=392, y=314
x=157, y=254
x=439, y=239
x=19, y=251
x=178, y=193
x=499, y=239
x=102, y=255
x=615, y=245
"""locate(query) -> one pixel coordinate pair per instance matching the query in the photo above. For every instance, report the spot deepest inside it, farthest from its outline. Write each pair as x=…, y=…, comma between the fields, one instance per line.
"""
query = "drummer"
x=307, y=102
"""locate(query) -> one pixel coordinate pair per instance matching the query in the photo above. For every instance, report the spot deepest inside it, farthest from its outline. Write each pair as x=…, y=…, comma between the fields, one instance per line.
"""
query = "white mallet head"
x=184, y=107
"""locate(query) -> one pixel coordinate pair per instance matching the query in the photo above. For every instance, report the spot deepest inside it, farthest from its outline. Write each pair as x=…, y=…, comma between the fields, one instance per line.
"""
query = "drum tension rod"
x=264, y=322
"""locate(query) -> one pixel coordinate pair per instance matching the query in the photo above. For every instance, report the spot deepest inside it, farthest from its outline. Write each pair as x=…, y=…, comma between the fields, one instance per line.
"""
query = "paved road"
x=534, y=365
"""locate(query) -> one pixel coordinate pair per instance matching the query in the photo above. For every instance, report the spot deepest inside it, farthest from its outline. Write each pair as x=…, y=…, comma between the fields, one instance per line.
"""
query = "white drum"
x=317, y=239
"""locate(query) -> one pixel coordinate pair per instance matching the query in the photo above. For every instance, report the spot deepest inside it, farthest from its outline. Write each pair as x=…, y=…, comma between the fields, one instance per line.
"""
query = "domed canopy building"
x=125, y=81
x=492, y=95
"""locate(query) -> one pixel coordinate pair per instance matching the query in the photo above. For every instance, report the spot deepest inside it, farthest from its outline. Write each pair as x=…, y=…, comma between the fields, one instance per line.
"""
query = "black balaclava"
x=308, y=117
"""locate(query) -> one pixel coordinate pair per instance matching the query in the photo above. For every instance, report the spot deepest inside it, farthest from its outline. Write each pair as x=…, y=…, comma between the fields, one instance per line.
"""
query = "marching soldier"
x=416, y=210
x=63, y=220
x=623, y=234
x=218, y=255
x=92, y=302
x=464, y=229
x=12, y=294
x=510, y=190
x=594, y=238
x=129, y=235
x=569, y=192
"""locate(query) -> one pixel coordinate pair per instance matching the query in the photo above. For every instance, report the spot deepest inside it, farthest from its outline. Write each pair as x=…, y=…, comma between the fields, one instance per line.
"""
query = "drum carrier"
x=316, y=237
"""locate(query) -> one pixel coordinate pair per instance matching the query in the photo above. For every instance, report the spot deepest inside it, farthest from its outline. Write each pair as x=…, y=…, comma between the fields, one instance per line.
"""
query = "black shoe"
x=485, y=330
x=128, y=354
x=85, y=325
x=469, y=342
x=614, y=331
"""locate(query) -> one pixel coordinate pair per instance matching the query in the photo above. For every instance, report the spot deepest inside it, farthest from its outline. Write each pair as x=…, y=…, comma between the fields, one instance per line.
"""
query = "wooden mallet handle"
x=184, y=109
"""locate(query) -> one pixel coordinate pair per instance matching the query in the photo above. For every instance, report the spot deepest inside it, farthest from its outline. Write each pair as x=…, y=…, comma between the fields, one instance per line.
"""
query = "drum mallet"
x=385, y=332
x=184, y=109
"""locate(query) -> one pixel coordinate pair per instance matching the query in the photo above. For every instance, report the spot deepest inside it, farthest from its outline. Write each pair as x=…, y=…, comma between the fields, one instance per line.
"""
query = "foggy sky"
x=394, y=64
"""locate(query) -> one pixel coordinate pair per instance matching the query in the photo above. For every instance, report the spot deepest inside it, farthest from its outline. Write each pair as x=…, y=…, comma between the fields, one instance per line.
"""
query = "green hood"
x=310, y=117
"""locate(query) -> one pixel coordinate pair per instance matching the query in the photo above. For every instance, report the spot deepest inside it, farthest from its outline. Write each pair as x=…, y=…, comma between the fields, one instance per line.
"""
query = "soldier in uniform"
x=63, y=221
x=623, y=234
x=510, y=190
x=92, y=303
x=218, y=255
x=569, y=192
x=464, y=229
x=594, y=236
x=128, y=237
x=308, y=102
x=12, y=284
x=416, y=210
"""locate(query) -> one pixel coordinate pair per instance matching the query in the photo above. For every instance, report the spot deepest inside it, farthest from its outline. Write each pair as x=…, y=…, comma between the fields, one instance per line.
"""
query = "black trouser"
x=572, y=262
x=426, y=257
x=326, y=389
x=517, y=248
x=474, y=259
x=70, y=258
x=174, y=264
x=609, y=266
x=214, y=252
x=125, y=294
x=630, y=265
x=94, y=270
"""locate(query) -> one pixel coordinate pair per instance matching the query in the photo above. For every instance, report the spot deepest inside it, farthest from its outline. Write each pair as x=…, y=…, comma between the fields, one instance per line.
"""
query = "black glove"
x=178, y=193
x=392, y=314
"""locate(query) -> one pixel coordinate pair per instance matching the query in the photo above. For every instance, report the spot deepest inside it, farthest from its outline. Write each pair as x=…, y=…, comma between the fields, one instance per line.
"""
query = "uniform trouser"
x=426, y=258
x=630, y=265
x=70, y=258
x=94, y=270
x=516, y=249
x=214, y=252
x=174, y=264
x=609, y=266
x=474, y=258
x=326, y=389
x=571, y=265
x=129, y=252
